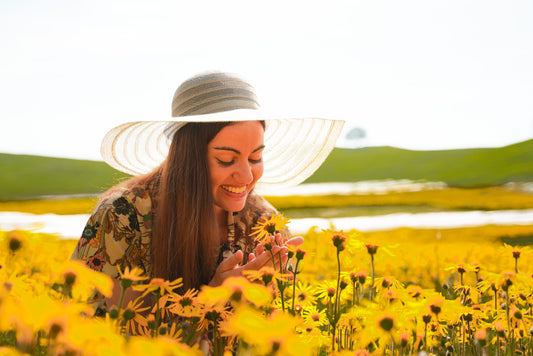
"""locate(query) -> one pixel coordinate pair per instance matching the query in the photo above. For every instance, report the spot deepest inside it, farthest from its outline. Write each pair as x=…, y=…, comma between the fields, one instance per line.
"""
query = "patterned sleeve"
x=113, y=236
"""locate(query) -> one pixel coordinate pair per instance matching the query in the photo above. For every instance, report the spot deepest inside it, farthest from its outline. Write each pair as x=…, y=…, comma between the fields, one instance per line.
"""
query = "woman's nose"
x=244, y=173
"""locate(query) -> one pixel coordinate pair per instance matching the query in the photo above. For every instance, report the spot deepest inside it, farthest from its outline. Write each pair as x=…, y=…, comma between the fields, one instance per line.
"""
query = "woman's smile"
x=235, y=190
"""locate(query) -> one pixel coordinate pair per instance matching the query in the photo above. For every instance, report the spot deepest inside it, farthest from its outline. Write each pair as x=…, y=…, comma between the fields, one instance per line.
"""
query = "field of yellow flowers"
x=400, y=292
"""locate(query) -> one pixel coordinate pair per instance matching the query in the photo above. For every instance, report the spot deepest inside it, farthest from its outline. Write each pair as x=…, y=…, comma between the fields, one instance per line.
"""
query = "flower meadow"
x=402, y=292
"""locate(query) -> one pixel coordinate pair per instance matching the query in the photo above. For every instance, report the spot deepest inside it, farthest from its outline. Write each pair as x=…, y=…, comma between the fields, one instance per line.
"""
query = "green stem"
x=354, y=293
x=509, y=331
x=191, y=335
x=215, y=338
x=371, y=290
x=464, y=336
x=157, y=313
x=337, y=297
x=425, y=337
x=294, y=284
x=122, y=293
x=281, y=284
x=336, y=307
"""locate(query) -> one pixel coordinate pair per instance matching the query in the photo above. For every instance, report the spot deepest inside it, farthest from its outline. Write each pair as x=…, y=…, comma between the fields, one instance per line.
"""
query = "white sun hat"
x=294, y=148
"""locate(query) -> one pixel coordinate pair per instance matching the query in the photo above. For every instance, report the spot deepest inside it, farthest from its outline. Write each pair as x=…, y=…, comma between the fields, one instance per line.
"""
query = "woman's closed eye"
x=229, y=163
x=255, y=161
x=225, y=163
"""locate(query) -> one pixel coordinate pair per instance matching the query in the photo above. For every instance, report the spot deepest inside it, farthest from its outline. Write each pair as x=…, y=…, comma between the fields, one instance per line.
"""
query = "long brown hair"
x=185, y=235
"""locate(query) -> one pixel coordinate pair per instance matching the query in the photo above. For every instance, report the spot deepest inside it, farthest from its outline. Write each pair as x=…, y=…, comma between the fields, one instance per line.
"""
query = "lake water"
x=71, y=226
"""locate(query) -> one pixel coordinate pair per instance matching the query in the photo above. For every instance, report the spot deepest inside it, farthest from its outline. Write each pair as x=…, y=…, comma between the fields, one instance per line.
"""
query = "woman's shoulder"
x=125, y=197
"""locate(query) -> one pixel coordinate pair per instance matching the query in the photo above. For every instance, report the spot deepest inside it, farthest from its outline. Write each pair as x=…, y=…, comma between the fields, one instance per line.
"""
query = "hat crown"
x=213, y=92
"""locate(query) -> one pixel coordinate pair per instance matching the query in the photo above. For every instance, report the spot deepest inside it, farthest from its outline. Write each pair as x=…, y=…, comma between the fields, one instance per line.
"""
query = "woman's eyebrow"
x=224, y=148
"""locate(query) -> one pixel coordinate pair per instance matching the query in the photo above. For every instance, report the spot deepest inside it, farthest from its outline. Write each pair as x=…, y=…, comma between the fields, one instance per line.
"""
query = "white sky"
x=414, y=74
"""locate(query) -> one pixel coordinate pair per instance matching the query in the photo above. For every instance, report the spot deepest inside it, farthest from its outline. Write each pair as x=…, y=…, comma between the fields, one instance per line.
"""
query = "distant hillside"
x=26, y=177
x=461, y=167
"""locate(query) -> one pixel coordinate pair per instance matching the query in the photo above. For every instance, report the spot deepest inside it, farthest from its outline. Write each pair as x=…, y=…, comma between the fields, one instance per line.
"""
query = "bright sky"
x=413, y=74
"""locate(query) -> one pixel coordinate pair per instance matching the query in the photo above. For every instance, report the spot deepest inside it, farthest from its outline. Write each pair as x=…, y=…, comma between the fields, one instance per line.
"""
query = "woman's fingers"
x=295, y=241
x=227, y=268
x=265, y=259
x=231, y=262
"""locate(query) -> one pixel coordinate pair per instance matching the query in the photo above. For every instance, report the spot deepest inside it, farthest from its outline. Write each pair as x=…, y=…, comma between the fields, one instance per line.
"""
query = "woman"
x=190, y=210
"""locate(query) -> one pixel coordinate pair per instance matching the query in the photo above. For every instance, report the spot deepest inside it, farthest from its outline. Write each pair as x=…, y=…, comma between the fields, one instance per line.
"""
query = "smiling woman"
x=190, y=210
x=235, y=163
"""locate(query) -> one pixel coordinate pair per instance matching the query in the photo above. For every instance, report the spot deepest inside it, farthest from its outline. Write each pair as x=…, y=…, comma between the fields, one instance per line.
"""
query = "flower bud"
x=163, y=330
x=371, y=249
x=113, y=312
x=386, y=283
x=15, y=242
x=516, y=313
x=461, y=268
x=361, y=277
x=339, y=241
x=300, y=254
x=343, y=285
x=467, y=317
x=150, y=322
x=404, y=339
x=435, y=309
x=69, y=277
x=331, y=292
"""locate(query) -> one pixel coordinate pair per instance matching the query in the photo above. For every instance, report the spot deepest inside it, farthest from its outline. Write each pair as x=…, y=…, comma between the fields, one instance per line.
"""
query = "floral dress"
x=119, y=232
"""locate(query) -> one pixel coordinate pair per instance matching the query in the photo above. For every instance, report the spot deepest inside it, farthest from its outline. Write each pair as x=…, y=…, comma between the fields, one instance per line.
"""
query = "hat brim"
x=294, y=148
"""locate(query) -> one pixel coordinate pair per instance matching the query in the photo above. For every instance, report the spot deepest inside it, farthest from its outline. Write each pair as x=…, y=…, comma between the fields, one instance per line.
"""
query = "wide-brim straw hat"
x=294, y=148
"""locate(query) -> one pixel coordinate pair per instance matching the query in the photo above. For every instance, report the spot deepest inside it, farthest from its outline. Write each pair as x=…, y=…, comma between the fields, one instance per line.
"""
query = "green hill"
x=461, y=168
x=26, y=177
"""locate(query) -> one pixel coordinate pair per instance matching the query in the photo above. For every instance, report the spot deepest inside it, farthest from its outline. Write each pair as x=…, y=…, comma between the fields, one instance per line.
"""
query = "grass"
x=26, y=177
x=460, y=168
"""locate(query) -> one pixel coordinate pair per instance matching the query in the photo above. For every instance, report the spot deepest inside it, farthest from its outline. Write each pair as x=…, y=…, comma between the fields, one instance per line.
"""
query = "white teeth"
x=234, y=190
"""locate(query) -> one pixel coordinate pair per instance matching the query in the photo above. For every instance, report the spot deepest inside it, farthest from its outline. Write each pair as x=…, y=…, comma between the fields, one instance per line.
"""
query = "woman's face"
x=235, y=158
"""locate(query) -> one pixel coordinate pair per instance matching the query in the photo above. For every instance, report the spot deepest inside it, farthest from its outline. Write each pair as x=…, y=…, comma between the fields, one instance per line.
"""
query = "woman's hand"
x=230, y=266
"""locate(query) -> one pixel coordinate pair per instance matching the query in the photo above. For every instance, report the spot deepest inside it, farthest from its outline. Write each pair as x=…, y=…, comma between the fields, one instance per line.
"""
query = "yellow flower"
x=266, y=274
x=236, y=289
x=94, y=334
x=186, y=305
x=129, y=276
x=268, y=227
x=316, y=317
x=133, y=317
x=305, y=294
x=266, y=334
x=85, y=280
x=161, y=346
x=158, y=285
